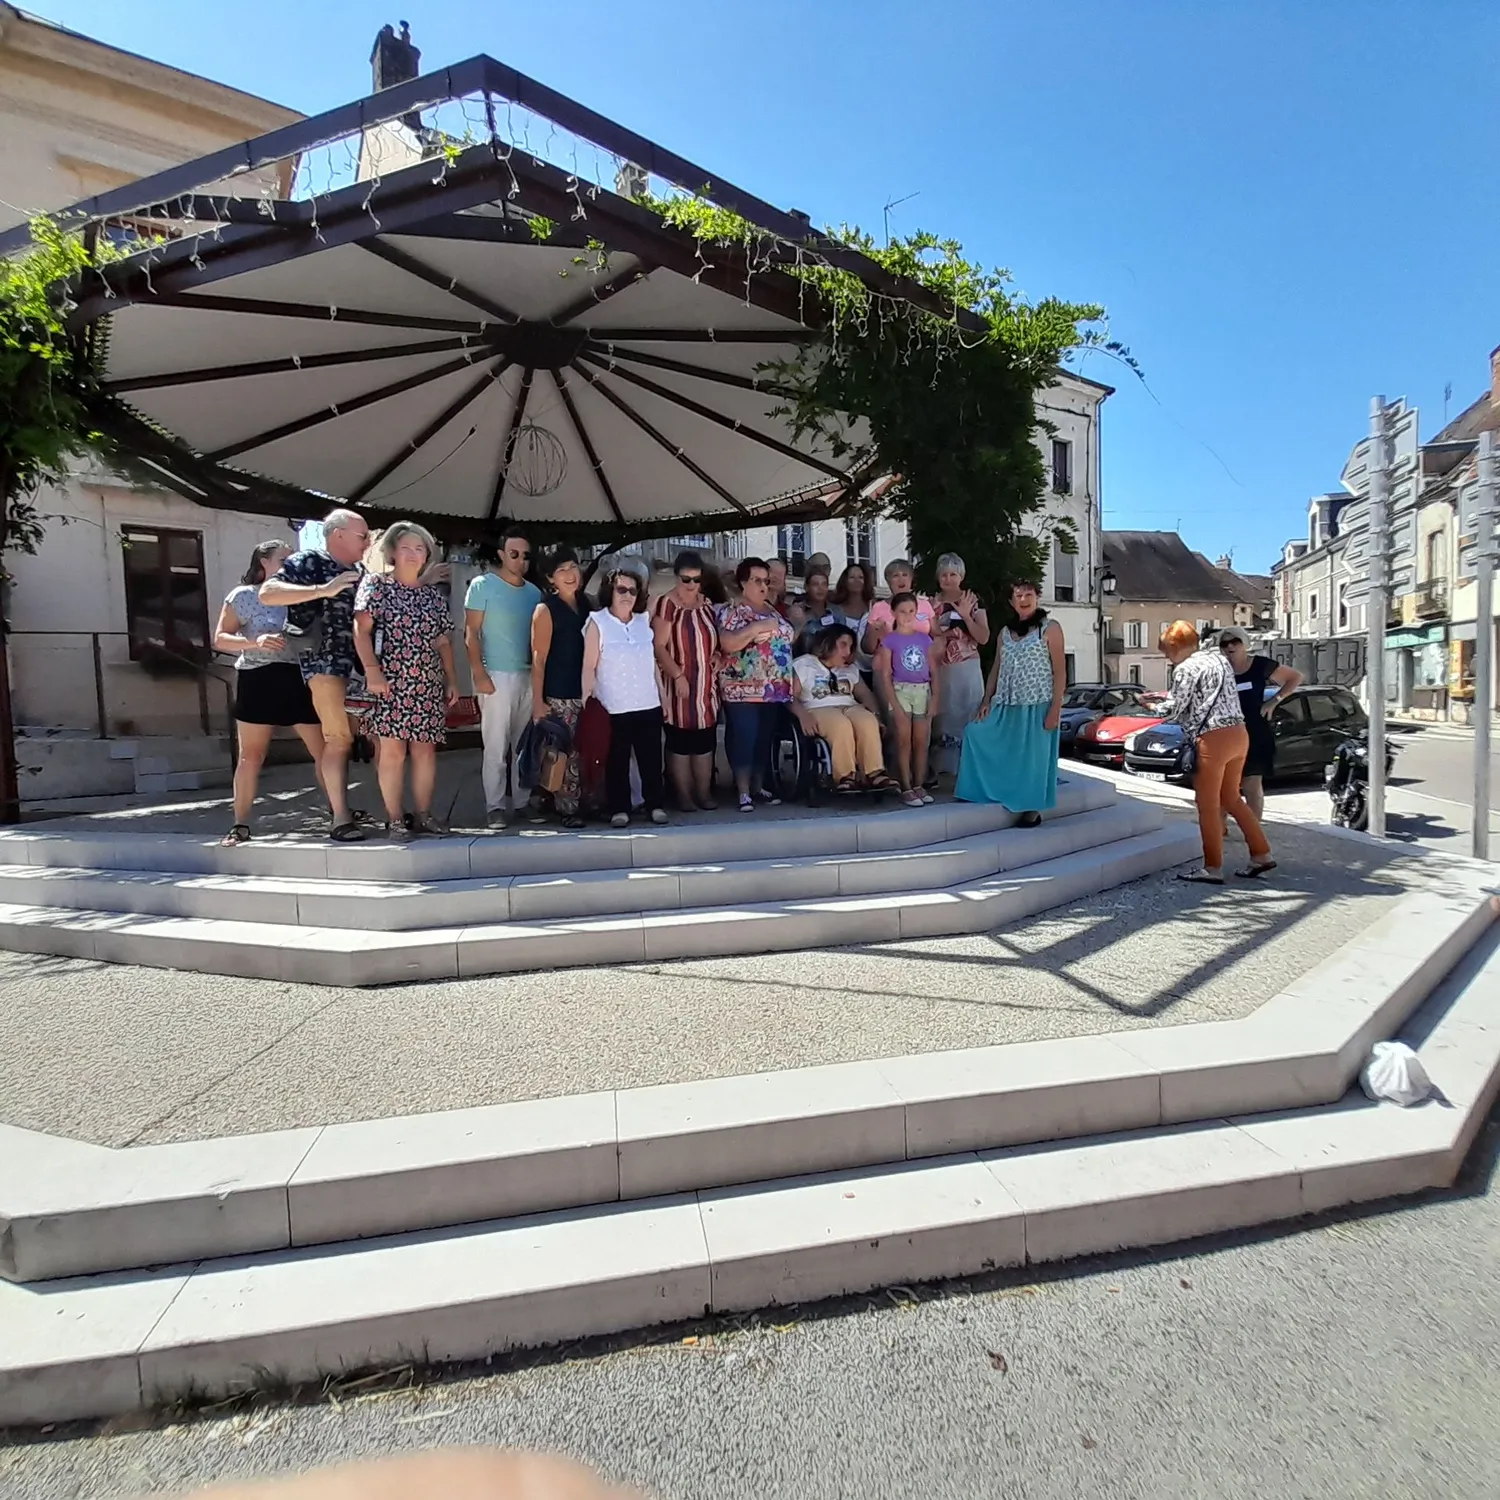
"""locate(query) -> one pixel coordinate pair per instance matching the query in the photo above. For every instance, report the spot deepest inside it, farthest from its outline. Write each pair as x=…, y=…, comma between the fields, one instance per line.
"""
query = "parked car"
x=1087, y=701
x=1309, y=727
x=1102, y=740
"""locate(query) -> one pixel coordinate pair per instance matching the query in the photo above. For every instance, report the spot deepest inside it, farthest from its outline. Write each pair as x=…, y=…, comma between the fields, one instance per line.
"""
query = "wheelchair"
x=802, y=765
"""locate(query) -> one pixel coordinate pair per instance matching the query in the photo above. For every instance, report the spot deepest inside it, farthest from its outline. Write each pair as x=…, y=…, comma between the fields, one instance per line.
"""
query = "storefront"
x=1417, y=670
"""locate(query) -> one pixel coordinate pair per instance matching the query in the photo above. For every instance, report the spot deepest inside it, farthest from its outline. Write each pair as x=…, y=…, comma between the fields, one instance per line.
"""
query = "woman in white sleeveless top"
x=619, y=669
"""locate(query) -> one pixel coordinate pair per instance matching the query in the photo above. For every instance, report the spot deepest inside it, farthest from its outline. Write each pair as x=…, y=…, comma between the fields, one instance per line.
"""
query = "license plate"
x=1152, y=775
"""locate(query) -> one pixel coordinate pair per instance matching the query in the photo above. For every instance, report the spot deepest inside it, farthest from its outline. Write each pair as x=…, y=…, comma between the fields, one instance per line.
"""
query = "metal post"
x=1380, y=542
x=99, y=704
x=1484, y=637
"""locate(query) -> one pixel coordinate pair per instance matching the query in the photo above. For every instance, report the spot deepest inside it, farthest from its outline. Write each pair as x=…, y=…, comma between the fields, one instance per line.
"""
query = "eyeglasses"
x=626, y=588
x=690, y=580
x=519, y=556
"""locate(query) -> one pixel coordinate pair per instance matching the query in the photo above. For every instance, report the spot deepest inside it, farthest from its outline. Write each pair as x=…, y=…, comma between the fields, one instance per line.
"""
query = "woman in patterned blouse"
x=687, y=649
x=1206, y=702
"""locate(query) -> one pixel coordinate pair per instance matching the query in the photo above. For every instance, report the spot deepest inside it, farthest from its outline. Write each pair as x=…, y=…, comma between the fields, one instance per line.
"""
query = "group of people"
x=353, y=638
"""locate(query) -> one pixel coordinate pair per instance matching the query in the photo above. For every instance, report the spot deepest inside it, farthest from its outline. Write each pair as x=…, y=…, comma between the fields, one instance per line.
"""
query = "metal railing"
x=1431, y=599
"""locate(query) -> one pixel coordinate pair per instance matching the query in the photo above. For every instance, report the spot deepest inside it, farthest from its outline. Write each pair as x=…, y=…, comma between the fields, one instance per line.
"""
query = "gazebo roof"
x=412, y=305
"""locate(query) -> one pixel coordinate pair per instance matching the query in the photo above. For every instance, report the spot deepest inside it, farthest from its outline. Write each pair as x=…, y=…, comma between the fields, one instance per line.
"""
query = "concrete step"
x=342, y=956
x=538, y=850
x=68, y=1209
x=401, y=906
x=99, y=1346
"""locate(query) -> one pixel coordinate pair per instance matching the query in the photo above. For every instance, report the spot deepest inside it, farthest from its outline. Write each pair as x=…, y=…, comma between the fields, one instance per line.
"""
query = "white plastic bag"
x=1396, y=1073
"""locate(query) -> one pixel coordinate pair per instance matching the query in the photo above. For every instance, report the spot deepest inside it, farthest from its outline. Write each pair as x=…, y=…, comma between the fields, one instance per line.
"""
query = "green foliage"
x=47, y=383
x=949, y=402
x=542, y=228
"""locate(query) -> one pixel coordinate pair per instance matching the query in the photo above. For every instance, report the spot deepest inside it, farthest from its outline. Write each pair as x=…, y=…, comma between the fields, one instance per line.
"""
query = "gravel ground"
x=121, y=1055
x=1349, y=1357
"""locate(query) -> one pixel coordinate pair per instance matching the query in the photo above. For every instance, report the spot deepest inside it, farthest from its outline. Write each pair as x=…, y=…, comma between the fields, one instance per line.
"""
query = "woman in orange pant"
x=1206, y=703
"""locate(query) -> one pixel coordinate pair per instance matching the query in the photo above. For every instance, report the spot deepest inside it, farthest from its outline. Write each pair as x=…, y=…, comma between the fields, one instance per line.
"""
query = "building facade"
x=124, y=575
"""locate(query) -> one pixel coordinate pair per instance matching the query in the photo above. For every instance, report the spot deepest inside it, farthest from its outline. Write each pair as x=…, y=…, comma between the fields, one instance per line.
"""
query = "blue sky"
x=1282, y=204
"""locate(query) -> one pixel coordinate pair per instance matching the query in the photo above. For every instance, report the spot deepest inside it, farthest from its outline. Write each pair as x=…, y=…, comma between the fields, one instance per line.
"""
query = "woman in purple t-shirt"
x=903, y=665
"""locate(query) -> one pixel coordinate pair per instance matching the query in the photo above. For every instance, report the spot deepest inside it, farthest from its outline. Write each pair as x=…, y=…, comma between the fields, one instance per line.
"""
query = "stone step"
x=68, y=1209
x=99, y=1346
x=400, y=906
x=769, y=835
x=341, y=956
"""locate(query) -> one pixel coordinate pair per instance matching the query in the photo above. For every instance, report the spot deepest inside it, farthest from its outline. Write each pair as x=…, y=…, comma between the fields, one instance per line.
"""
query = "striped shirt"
x=693, y=644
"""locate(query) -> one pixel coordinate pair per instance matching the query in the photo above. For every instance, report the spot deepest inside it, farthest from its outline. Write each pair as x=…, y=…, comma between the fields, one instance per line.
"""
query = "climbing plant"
x=948, y=392
x=48, y=385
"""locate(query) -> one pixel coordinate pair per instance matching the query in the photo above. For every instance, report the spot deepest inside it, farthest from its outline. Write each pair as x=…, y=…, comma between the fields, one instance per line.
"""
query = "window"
x=792, y=543
x=1347, y=704
x=1201, y=626
x=1312, y=606
x=1323, y=708
x=697, y=541
x=1436, y=556
x=1062, y=466
x=1062, y=572
x=1133, y=639
x=1070, y=668
x=1343, y=606
x=1135, y=675
x=859, y=542
x=1291, y=717
x=166, y=595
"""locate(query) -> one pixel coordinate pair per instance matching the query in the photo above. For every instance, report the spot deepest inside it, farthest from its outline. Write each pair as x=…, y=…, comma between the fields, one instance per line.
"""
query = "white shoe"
x=496, y=817
x=658, y=815
x=620, y=820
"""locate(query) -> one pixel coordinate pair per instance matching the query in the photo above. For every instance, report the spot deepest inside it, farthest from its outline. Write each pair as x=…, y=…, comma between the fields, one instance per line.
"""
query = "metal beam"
x=331, y=413
x=433, y=277
x=265, y=308
x=561, y=381
x=426, y=435
x=708, y=414
x=283, y=365
x=697, y=372
x=509, y=450
x=628, y=411
x=703, y=335
x=601, y=293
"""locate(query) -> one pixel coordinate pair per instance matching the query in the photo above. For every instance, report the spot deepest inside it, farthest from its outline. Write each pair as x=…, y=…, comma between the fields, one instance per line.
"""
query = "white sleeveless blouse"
x=626, y=680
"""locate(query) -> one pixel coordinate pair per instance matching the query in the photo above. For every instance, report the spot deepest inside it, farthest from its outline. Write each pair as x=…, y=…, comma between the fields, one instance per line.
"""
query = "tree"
x=48, y=390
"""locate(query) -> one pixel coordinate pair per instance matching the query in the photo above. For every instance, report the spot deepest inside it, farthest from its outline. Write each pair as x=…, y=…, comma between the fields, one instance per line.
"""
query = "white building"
x=120, y=566
x=1071, y=587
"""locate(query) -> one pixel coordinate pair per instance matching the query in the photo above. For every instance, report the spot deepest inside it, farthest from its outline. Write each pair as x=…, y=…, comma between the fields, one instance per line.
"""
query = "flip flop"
x=1198, y=877
x=1255, y=871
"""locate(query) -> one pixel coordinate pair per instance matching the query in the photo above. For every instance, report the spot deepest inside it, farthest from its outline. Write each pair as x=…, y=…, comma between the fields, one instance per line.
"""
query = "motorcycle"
x=1347, y=780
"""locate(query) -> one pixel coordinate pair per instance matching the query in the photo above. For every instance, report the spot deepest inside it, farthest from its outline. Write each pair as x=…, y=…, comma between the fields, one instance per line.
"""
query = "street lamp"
x=1107, y=583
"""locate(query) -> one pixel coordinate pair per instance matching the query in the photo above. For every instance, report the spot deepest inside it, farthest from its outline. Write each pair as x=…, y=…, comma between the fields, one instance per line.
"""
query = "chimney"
x=1495, y=378
x=393, y=59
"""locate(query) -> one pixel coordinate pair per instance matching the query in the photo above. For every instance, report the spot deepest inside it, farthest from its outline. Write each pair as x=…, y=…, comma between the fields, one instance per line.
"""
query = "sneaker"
x=658, y=815
x=496, y=817
x=911, y=799
x=927, y=797
x=399, y=833
x=746, y=805
x=620, y=820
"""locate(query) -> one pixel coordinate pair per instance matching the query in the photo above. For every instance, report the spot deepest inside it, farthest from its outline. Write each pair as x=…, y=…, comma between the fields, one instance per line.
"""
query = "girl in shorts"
x=904, y=667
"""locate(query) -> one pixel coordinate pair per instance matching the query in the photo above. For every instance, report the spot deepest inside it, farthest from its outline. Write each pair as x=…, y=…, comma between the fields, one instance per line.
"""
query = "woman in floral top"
x=755, y=678
x=1205, y=701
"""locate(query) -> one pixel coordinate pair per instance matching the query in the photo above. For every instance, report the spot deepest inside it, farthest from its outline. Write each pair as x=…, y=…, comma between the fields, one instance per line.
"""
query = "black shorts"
x=1259, y=761
x=691, y=741
x=273, y=694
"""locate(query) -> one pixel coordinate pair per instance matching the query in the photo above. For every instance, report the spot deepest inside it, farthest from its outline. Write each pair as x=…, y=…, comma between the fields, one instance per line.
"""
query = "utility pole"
x=1484, y=636
x=1380, y=546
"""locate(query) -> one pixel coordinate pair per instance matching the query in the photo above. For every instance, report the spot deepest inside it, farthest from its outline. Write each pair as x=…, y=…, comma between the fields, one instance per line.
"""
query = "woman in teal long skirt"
x=1010, y=750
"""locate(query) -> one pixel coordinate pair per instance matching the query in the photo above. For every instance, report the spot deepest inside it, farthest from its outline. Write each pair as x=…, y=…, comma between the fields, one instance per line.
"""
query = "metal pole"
x=1379, y=580
x=1484, y=637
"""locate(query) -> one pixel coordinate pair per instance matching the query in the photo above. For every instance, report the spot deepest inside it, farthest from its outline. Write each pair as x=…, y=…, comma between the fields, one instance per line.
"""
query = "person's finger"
x=453, y=1474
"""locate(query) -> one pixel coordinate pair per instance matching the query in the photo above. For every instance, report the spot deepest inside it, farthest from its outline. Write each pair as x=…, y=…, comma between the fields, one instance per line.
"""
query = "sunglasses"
x=692, y=580
x=626, y=588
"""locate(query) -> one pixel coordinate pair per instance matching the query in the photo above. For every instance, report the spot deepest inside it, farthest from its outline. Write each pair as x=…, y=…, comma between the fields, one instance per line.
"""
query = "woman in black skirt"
x=269, y=690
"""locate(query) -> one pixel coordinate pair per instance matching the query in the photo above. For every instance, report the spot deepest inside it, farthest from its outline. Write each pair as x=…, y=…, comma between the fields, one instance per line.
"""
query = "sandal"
x=359, y=815
x=573, y=821
x=1256, y=869
x=347, y=833
x=399, y=833
x=882, y=781
x=849, y=783
x=239, y=834
x=426, y=823
x=1199, y=877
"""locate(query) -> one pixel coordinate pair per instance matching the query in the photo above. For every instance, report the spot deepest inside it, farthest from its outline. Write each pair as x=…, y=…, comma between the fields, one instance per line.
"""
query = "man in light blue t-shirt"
x=497, y=634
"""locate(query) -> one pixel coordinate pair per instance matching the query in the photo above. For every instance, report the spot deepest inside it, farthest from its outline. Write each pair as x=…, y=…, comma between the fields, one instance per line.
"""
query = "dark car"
x=1085, y=702
x=1309, y=726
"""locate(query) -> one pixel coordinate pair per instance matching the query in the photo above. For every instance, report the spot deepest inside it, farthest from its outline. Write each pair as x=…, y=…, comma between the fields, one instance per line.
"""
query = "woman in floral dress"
x=410, y=680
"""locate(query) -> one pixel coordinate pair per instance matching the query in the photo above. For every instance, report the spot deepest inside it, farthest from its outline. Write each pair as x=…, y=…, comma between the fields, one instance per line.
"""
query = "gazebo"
x=461, y=299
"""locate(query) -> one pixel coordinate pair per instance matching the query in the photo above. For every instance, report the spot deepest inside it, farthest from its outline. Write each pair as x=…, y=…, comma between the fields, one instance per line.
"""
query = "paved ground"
x=122, y=1055
x=1353, y=1357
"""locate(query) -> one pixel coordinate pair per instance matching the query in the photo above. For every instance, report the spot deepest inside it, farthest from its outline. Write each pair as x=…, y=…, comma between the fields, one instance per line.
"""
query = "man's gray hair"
x=340, y=520
x=951, y=561
x=897, y=564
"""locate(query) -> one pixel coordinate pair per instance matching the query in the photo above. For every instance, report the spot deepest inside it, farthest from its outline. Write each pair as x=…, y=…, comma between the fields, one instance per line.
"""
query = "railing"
x=202, y=672
x=1431, y=599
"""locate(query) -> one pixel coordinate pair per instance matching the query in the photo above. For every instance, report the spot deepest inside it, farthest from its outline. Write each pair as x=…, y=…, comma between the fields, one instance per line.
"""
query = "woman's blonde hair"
x=393, y=535
x=1179, y=635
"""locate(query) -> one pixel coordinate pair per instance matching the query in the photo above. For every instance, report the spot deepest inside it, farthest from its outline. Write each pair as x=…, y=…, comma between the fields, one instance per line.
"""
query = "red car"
x=1103, y=741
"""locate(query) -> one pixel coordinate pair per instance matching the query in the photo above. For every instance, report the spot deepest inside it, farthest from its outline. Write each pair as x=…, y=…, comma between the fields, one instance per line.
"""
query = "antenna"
x=896, y=203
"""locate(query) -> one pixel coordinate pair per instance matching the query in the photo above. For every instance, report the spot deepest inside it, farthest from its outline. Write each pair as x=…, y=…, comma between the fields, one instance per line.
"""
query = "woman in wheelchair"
x=832, y=703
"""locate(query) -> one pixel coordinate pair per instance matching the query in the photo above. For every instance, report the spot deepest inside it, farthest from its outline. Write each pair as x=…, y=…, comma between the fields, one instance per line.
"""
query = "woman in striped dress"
x=687, y=643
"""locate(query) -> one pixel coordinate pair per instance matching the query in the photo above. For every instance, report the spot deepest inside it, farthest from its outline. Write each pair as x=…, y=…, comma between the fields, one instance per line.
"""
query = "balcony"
x=1430, y=601
x=1114, y=645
